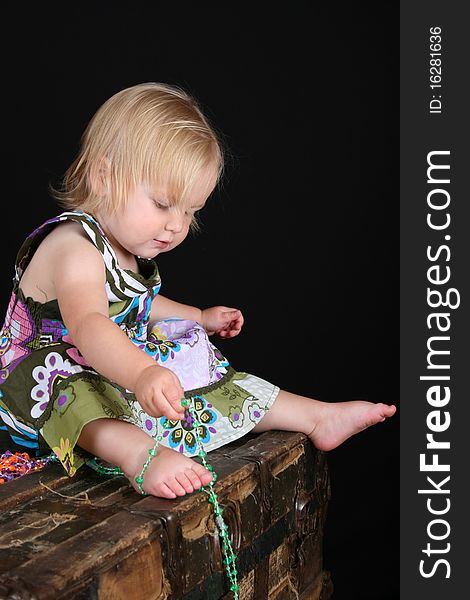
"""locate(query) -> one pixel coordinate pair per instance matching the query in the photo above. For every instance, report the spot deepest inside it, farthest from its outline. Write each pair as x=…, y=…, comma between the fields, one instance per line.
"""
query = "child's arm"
x=78, y=276
x=163, y=308
x=226, y=322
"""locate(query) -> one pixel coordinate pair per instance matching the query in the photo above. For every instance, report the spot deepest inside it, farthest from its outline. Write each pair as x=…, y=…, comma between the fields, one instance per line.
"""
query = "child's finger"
x=231, y=315
x=173, y=409
x=228, y=315
x=170, y=413
x=175, y=402
x=233, y=332
x=229, y=332
x=236, y=324
x=161, y=408
x=172, y=397
x=236, y=320
x=234, y=327
x=178, y=408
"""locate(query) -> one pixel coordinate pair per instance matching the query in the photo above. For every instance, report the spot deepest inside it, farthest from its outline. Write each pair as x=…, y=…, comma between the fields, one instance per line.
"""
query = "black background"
x=302, y=236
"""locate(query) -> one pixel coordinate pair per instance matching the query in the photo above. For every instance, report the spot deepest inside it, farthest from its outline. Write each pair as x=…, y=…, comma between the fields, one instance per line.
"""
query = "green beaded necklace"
x=229, y=559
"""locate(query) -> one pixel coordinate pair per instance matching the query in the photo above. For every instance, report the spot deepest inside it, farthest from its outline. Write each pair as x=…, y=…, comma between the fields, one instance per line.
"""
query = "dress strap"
x=121, y=284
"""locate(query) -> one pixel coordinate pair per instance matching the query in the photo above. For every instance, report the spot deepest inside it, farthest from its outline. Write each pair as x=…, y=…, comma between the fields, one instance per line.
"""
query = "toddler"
x=93, y=357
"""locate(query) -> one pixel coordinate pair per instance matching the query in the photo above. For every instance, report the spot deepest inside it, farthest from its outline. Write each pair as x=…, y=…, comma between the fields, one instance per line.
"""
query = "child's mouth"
x=161, y=243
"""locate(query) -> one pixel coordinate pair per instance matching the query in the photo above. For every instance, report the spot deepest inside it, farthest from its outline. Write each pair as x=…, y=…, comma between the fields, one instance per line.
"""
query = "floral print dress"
x=48, y=392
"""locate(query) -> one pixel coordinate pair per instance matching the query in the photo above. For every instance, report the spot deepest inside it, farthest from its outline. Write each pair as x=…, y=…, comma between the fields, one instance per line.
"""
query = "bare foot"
x=337, y=421
x=170, y=474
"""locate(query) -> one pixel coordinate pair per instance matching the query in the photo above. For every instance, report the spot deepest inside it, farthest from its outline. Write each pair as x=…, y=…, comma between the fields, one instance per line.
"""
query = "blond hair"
x=152, y=134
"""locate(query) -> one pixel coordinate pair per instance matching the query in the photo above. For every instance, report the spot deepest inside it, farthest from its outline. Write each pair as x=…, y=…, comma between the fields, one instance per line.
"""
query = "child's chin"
x=152, y=253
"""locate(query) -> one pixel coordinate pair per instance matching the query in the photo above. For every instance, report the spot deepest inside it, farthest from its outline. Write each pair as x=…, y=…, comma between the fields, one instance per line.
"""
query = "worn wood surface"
x=94, y=537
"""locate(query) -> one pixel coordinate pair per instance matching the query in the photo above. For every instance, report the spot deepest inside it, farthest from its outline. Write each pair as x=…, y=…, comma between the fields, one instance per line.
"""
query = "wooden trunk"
x=94, y=537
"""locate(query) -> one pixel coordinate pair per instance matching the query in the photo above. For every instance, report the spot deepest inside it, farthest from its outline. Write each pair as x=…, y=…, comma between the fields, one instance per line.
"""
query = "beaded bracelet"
x=152, y=452
x=104, y=470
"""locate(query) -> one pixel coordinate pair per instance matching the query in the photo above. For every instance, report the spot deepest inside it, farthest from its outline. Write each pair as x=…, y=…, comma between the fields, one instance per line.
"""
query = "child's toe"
x=204, y=475
x=185, y=482
x=193, y=478
x=176, y=487
x=388, y=410
x=163, y=491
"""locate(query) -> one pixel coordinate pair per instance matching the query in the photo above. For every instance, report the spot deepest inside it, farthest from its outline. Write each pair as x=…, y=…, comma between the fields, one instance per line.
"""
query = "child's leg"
x=125, y=445
x=328, y=424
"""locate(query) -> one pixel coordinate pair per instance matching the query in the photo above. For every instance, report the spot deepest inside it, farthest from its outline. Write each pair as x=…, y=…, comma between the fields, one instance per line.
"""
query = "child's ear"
x=100, y=173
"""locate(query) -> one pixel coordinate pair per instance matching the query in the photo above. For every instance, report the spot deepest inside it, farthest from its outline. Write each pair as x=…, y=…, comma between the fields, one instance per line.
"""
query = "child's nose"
x=175, y=221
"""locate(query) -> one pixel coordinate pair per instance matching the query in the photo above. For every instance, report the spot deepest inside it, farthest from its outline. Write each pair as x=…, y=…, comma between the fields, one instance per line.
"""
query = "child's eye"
x=160, y=204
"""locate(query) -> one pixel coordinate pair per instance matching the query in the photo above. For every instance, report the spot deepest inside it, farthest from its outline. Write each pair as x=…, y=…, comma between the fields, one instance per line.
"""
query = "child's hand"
x=226, y=322
x=159, y=392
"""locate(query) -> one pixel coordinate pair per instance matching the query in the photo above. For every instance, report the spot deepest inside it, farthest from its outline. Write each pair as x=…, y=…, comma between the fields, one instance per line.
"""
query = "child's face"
x=149, y=225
